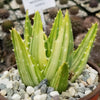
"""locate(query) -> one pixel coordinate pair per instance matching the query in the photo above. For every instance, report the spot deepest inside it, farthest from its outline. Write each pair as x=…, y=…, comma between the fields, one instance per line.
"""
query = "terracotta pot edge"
x=97, y=90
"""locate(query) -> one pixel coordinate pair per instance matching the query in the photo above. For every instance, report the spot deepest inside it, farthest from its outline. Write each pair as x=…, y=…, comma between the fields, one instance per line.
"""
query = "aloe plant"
x=54, y=58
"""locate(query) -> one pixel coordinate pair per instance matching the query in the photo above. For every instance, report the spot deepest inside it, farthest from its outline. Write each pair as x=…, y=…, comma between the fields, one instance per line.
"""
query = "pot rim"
x=87, y=97
x=97, y=90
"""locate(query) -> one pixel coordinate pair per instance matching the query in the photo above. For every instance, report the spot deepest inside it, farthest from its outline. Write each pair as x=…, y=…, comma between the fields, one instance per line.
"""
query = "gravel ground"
x=12, y=87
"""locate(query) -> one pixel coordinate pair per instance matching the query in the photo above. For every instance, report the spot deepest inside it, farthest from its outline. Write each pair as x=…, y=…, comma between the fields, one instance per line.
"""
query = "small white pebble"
x=43, y=96
x=54, y=93
x=87, y=66
x=10, y=84
x=72, y=91
x=26, y=96
x=40, y=97
x=93, y=77
x=89, y=81
x=5, y=74
x=4, y=81
x=37, y=97
x=30, y=90
x=3, y=92
x=16, y=97
x=94, y=87
x=81, y=84
x=29, y=98
x=80, y=77
x=88, y=92
x=37, y=92
x=16, y=72
x=76, y=85
x=85, y=84
x=91, y=70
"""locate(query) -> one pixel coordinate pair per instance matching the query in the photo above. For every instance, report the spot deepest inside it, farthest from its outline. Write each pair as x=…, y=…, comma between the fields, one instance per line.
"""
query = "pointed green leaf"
x=37, y=46
x=60, y=80
x=54, y=33
x=45, y=37
x=28, y=30
x=68, y=44
x=54, y=59
x=28, y=70
x=81, y=55
x=62, y=48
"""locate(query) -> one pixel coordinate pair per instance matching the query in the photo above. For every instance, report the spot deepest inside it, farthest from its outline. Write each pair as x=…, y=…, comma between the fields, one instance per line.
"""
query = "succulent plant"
x=53, y=58
x=7, y=25
x=89, y=20
x=77, y=25
x=53, y=12
x=95, y=52
x=7, y=44
x=1, y=4
x=10, y=60
x=4, y=13
x=19, y=1
x=93, y=3
x=94, y=56
x=63, y=1
x=78, y=39
x=73, y=10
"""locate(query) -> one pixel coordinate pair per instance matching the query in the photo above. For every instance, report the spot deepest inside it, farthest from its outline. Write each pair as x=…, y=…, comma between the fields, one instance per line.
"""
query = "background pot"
x=94, y=95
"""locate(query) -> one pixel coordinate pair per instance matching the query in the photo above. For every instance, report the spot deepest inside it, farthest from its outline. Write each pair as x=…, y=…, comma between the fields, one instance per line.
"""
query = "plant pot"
x=92, y=96
x=95, y=93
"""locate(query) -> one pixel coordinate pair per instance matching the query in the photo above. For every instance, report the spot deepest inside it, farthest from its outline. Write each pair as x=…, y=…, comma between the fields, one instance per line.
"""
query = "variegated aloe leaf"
x=68, y=44
x=62, y=47
x=60, y=80
x=45, y=37
x=28, y=70
x=81, y=55
x=37, y=46
x=28, y=30
x=54, y=33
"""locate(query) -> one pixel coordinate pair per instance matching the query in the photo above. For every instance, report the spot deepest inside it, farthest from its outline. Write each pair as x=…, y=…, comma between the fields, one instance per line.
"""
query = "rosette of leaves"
x=40, y=57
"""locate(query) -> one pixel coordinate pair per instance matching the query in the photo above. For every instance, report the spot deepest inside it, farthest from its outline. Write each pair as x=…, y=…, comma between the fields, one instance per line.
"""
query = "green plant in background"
x=7, y=25
x=53, y=58
x=63, y=1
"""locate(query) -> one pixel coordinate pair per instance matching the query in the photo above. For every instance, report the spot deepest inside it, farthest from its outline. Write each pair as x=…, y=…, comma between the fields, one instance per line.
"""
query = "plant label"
x=37, y=5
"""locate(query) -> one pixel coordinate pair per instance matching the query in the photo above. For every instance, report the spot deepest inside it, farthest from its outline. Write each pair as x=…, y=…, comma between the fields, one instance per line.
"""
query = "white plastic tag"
x=37, y=5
